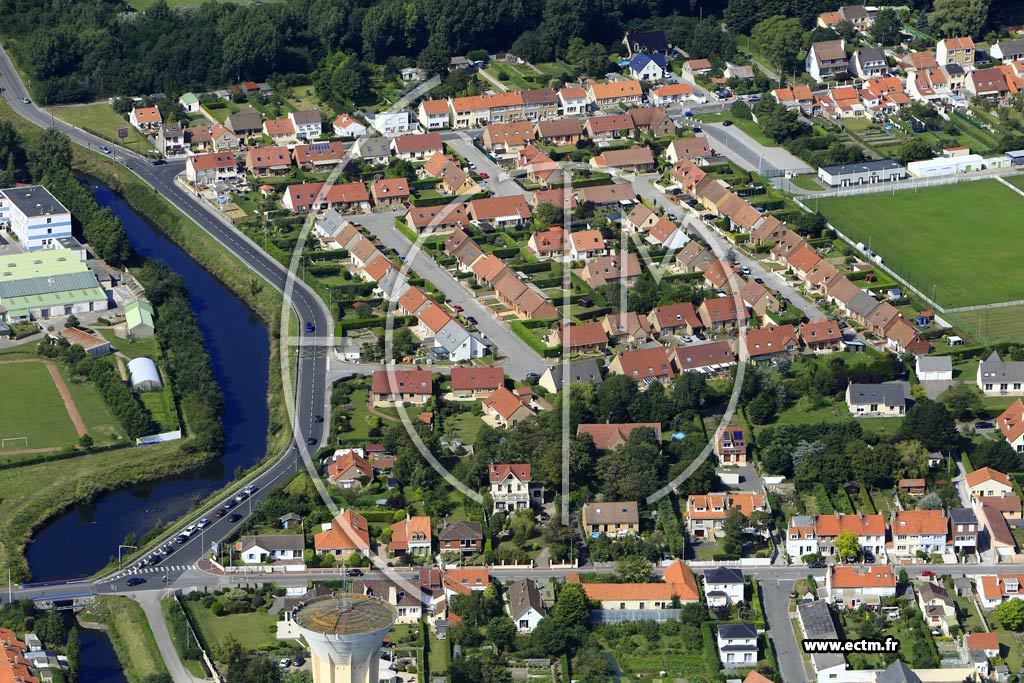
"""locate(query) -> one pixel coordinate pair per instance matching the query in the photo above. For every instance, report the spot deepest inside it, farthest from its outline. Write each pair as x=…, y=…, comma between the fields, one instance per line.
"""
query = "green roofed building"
x=47, y=283
x=190, y=102
x=138, y=317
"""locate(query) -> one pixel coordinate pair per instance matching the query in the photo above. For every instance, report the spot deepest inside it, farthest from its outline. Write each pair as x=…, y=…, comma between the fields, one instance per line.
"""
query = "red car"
x=928, y=573
x=458, y=309
x=484, y=176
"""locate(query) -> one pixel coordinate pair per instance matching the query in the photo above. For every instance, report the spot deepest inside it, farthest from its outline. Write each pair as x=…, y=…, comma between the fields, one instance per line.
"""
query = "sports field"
x=31, y=406
x=958, y=239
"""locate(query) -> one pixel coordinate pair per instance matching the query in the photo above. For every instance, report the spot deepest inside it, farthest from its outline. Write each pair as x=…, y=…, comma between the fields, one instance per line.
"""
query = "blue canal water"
x=83, y=540
x=97, y=661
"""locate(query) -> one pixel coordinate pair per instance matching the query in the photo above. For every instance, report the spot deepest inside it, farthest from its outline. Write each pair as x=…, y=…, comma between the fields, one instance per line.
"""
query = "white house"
x=723, y=586
x=647, y=67
x=270, y=547
x=737, y=645
x=308, y=124
x=914, y=530
x=856, y=585
x=460, y=344
x=934, y=368
x=512, y=487
x=346, y=126
x=394, y=123
x=525, y=605
x=937, y=607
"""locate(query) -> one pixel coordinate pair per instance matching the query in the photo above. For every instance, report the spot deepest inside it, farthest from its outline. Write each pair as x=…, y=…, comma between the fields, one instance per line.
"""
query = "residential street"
x=751, y=154
x=644, y=186
x=521, y=358
x=775, y=596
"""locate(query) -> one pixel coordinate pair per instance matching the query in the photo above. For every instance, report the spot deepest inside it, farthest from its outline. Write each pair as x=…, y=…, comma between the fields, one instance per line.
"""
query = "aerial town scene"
x=511, y=341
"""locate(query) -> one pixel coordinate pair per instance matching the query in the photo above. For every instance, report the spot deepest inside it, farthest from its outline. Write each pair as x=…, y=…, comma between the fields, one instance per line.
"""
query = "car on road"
x=984, y=425
x=696, y=129
x=458, y=308
x=251, y=489
x=309, y=327
x=745, y=270
x=203, y=523
x=167, y=550
x=104, y=149
x=471, y=320
x=484, y=176
x=135, y=581
x=229, y=503
x=816, y=565
x=220, y=512
x=727, y=122
x=759, y=281
x=318, y=418
x=241, y=497
x=354, y=572
x=311, y=441
x=532, y=375
x=25, y=100
x=928, y=573
x=234, y=517
x=159, y=162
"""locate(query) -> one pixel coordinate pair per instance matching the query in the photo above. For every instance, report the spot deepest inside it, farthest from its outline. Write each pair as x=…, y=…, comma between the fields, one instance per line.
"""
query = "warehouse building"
x=46, y=284
x=862, y=173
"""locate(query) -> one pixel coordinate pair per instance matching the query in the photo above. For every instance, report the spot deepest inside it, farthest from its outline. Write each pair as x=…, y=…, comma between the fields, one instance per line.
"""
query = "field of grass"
x=807, y=182
x=925, y=236
x=464, y=426
x=103, y=426
x=130, y=635
x=100, y=119
x=251, y=630
x=132, y=349
x=30, y=406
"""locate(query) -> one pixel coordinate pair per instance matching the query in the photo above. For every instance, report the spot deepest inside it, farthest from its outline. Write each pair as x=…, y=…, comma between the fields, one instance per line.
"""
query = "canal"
x=97, y=661
x=239, y=345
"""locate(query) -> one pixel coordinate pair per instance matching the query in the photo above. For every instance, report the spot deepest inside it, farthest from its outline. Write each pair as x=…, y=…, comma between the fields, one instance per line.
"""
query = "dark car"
x=234, y=517
x=727, y=122
x=354, y=572
x=298, y=660
x=220, y=512
x=816, y=565
x=318, y=418
x=471, y=320
x=696, y=129
x=983, y=425
x=759, y=280
x=311, y=441
x=134, y=581
x=181, y=539
x=159, y=162
x=532, y=375
x=309, y=327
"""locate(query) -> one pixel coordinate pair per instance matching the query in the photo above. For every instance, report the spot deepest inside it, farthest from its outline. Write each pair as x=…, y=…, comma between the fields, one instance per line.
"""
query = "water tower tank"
x=344, y=633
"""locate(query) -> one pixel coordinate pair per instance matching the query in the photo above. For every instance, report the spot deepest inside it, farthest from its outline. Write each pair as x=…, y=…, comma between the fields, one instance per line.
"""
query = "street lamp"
x=119, y=549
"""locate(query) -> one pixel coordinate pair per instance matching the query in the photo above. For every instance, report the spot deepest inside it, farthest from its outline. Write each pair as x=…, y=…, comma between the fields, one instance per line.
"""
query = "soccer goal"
x=15, y=440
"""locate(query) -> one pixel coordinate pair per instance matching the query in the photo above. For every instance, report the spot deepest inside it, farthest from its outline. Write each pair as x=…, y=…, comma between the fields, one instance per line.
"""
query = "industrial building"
x=138, y=318
x=862, y=173
x=35, y=216
x=48, y=283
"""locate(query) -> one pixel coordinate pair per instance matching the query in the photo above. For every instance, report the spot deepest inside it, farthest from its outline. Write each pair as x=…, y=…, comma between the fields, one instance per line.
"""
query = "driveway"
x=775, y=596
x=498, y=181
x=521, y=358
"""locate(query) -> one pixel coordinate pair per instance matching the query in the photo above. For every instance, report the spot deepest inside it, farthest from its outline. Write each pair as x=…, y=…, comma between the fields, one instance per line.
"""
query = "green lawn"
x=100, y=119
x=102, y=425
x=132, y=349
x=464, y=426
x=807, y=182
x=30, y=406
x=161, y=406
x=926, y=236
x=251, y=630
x=992, y=325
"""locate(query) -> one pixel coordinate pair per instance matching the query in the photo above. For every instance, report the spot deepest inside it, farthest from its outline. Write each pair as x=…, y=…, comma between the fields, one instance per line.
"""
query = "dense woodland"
x=80, y=50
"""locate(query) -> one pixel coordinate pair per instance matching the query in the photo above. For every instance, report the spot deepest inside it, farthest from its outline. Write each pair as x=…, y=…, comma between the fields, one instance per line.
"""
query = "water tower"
x=344, y=633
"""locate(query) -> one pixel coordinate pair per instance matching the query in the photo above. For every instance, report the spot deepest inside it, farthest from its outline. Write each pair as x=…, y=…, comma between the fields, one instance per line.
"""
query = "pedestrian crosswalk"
x=160, y=569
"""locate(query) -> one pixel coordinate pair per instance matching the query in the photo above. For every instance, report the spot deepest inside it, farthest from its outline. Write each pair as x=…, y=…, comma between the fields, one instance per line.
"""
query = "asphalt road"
x=775, y=597
x=521, y=359
x=312, y=390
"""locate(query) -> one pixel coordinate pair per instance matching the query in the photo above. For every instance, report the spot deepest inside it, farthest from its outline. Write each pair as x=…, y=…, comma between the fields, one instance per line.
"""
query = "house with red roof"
x=548, y=244
x=718, y=313
x=854, y=585
x=268, y=161
x=731, y=445
x=504, y=409
x=313, y=197
x=708, y=358
x=348, y=468
x=769, y=343
x=583, y=338
x=1011, y=424
x=146, y=119
x=417, y=147
x=608, y=436
x=412, y=536
x=203, y=170
x=390, y=192
x=345, y=534
x=919, y=530
x=512, y=487
x=681, y=319
x=280, y=130
x=679, y=584
x=644, y=365
x=705, y=514
x=318, y=155
x=987, y=482
x=821, y=336
x=393, y=386
x=475, y=382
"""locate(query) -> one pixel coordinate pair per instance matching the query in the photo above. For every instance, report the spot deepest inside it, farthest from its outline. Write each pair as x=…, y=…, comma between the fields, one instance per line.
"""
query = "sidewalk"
x=150, y=602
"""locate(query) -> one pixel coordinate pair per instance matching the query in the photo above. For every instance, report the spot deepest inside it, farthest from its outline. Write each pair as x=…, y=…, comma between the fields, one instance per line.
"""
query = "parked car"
x=471, y=320
x=285, y=663
x=135, y=581
x=532, y=375
x=354, y=572
x=484, y=176
x=697, y=129
x=928, y=573
x=816, y=565
x=458, y=308
x=299, y=660
x=745, y=270
x=727, y=122
x=983, y=425
x=759, y=280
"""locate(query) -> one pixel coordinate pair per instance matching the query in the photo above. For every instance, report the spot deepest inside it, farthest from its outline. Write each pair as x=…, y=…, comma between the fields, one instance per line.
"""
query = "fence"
x=911, y=184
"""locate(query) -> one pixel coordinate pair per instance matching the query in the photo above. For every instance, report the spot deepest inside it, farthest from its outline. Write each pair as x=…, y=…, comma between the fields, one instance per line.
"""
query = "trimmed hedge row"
x=381, y=321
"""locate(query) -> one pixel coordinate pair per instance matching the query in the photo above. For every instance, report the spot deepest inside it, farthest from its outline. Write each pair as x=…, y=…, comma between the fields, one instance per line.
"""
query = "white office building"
x=35, y=216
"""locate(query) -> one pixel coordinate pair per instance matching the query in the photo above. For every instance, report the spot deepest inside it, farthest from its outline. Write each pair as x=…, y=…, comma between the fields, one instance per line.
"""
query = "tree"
x=350, y=81
x=48, y=153
x=780, y=39
x=742, y=15
x=775, y=458
x=501, y=631
x=762, y=409
x=634, y=569
x=913, y=149
x=404, y=342
x=614, y=396
x=572, y=608
x=740, y=110
x=912, y=459
x=886, y=29
x=71, y=321
x=1011, y=614
x=547, y=214
x=963, y=401
x=73, y=650
x=930, y=423
x=549, y=636
x=869, y=466
x=820, y=34
x=932, y=501
x=952, y=18
x=778, y=122
x=997, y=454
x=847, y=545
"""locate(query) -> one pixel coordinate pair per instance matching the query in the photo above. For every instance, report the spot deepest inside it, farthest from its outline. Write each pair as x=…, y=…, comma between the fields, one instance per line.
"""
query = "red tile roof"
x=606, y=436
x=846, y=576
x=498, y=473
x=348, y=531
x=484, y=377
x=987, y=474
x=405, y=381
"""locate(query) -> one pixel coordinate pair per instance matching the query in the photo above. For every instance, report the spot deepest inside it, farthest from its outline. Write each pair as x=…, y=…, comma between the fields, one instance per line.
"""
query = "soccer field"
x=31, y=406
x=958, y=241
